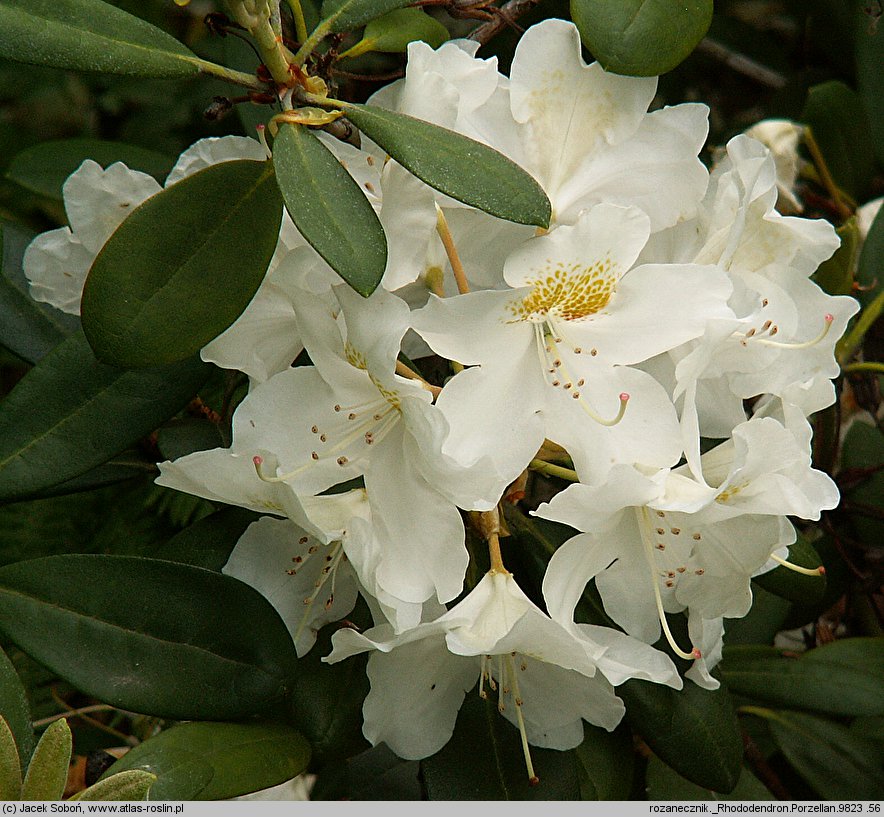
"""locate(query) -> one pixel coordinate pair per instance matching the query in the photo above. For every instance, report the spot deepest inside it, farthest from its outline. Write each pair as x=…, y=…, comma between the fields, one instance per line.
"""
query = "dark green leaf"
x=196, y=645
x=14, y=708
x=182, y=437
x=394, y=31
x=863, y=479
x=837, y=763
x=27, y=328
x=665, y=784
x=605, y=764
x=216, y=761
x=330, y=209
x=71, y=413
x=10, y=764
x=693, y=730
x=835, y=275
x=342, y=15
x=209, y=542
x=761, y=624
x=786, y=583
x=641, y=37
x=376, y=774
x=90, y=35
x=842, y=678
x=326, y=699
x=841, y=130
x=484, y=761
x=870, y=78
x=456, y=165
x=183, y=266
x=871, y=262
x=44, y=168
x=48, y=770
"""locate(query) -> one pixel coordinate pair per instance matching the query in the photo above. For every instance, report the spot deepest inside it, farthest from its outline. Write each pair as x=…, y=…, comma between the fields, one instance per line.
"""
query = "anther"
x=342, y=461
x=675, y=531
x=696, y=537
x=660, y=531
x=303, y=540
x=314, y=455
x=314, y=429
x=699, y=571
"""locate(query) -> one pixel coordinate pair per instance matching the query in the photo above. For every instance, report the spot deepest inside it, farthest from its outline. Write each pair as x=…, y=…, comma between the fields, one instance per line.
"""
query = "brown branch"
x=506, y=15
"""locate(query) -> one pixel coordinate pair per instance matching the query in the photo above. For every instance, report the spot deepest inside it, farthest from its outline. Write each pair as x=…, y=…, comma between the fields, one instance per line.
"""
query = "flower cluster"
x=661, y=346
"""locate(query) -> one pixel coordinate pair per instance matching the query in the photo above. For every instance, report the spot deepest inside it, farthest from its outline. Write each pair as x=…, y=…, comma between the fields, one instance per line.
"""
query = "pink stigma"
x=828, y=317
x=258, y=460
x=821, y=570
x=623, y=397
x=695, y=653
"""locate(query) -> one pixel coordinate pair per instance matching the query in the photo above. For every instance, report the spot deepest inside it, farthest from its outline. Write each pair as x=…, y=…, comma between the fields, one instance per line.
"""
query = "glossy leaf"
x=663, y=783
x=794, y=586
x=71, y=413
x=693, y=730
x=605, y=764
x=641, y=37
x=484, y=761
x=10, y=765
x=27, y=328
x=394, y=31
x=208, y=542
x=216, y=761
x=460, y=167
x=343, y=15
x=90, y=35
x=183, y=266
x=48, y=770
x=841, y=130
x=330, y=209
x=125, y=786
x=196, y=645
x=44, y=168
x=842, y=678
x=15, y=711
x=837, y=763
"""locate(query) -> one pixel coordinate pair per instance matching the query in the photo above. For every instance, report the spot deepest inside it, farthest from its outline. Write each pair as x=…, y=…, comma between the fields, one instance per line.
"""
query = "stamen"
x=779, y=344
x=533, y=779
x=447, y=239
x=805, y=571
x=262, y=137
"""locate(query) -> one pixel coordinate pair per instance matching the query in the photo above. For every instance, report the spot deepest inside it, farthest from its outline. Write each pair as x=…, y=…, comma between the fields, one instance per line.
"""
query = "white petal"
x=212, y=151
x=56, y=264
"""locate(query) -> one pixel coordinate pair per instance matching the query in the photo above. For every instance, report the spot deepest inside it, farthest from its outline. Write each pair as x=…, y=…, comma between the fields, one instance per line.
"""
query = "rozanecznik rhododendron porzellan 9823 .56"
x=633, y=359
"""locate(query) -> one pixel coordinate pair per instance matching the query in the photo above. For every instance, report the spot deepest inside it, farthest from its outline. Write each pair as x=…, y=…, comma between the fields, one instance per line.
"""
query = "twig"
x=741, y=63
x=507, y=14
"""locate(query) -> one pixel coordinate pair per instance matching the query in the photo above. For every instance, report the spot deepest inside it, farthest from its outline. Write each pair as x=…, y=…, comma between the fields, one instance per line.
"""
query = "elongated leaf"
x=395, y=30
x=196, y=645
x=183, y=266
x=216, y=761
x=693, y=730
x=71, y=413
x=870, y=79
x=125, y=786
x=456, y=165
x=641, y=37
x=835, y=274
x=842, y=678
x=342, y=15
x=605, y=764
x=27, y=328
x=43, y=168
x=90, y=35
x=484, y=761
x=15, y=711
x=208, y=542
x=375, y=774
x=837, y=763
x=840, y=127
x=10, y=765
x=48, y=770
x=665, y=784
x=329, y=209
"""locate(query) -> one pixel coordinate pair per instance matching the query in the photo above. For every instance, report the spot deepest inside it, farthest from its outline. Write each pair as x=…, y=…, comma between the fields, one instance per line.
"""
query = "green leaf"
x=15, y=712
x=870, y=79
x=394, y=31
x=787, y=584
x=208, y=542
x=184, y=643
x=605, y=764
x=217, y=761
x=10, y=765
x=325, y=703
x=460, y=167
x=871, y=262
x=330, y=209
x=27, y=328
x=484, y=761
x=182, y=437
x=342, y=15
x=48, y=771
x=125, y=786
x=693, y=730
x=375, y=774
x=841, y=130
x=183, y=266
x=842, y=678
x=641, y=37
x=835, y=275
x=837, y=763
x=761, y=624
x=665, y=784
x=90, y=35
x=71, y=413
x=863, y=480
x=44, y=168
